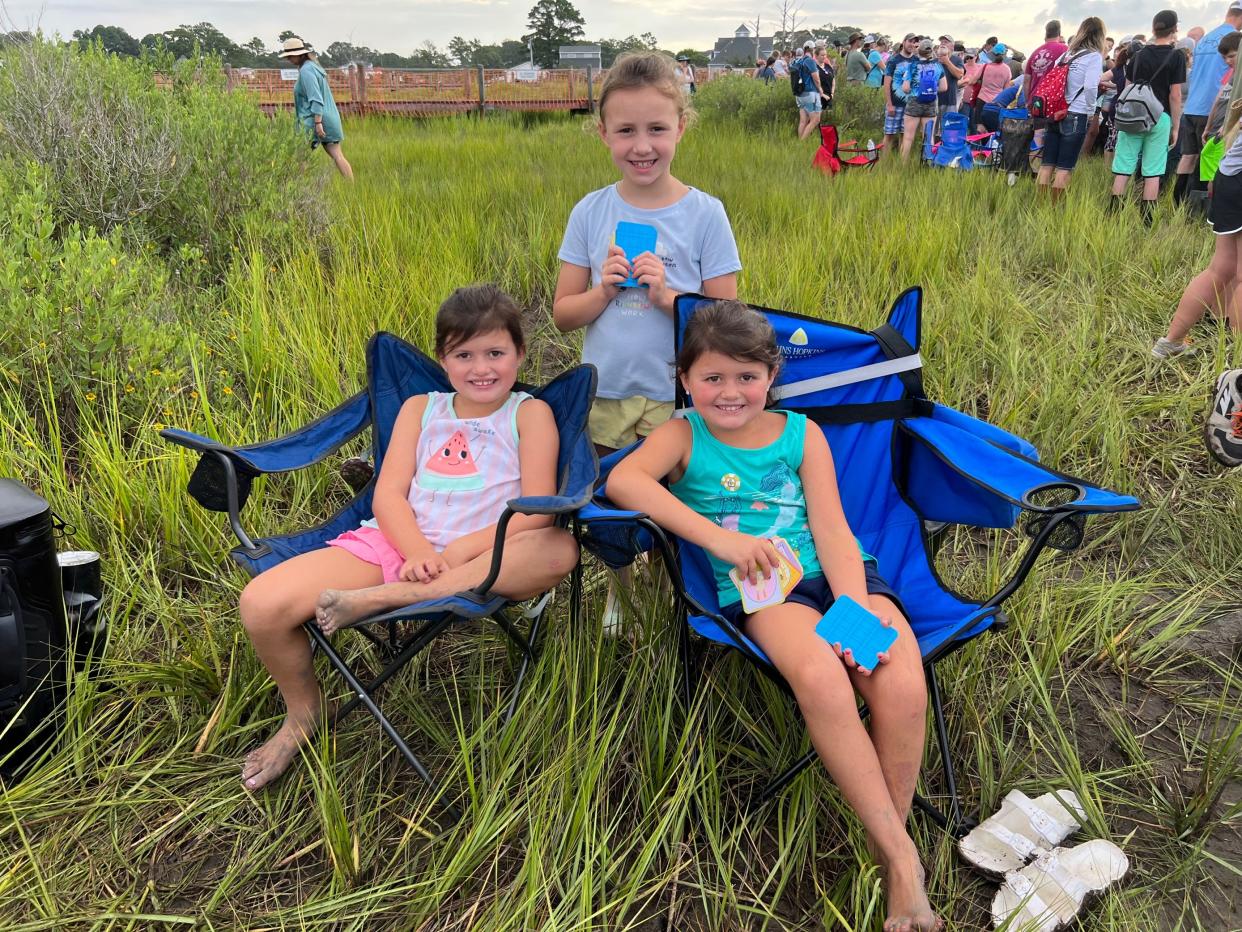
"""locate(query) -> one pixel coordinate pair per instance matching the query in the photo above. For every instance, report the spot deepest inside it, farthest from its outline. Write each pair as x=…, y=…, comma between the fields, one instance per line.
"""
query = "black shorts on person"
x=1225, y=207
x=814, y=593
x=1190, y=135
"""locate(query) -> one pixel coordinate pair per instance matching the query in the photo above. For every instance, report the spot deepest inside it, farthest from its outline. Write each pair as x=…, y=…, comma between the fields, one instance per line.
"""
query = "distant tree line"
x=552, y=23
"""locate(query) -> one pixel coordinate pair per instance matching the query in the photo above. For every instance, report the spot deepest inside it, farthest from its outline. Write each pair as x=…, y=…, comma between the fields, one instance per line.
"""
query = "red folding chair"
x=832, y=155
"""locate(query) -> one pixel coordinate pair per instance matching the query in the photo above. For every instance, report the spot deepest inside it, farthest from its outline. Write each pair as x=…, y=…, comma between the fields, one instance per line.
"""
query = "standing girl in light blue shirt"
x=629, y=331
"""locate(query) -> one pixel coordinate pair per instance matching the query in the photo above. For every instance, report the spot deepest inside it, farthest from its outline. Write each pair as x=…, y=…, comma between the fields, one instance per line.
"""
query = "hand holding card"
x=770, y=590
x=635, y=239
x=857, y=630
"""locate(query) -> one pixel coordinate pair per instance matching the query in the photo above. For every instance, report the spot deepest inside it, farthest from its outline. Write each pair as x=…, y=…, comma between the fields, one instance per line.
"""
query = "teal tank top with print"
x=757, y=492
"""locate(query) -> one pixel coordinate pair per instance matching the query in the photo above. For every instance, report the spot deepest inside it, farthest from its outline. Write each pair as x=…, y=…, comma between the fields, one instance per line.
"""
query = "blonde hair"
x=634, y=70
x=1233, y=116
x=1090, y=35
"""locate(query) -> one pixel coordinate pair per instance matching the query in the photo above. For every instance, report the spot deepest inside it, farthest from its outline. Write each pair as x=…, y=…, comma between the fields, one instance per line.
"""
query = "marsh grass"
x=605, y=804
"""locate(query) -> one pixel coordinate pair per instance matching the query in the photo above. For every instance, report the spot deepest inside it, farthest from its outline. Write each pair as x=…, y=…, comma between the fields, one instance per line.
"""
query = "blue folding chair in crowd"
x=396, y=371
x=905, y=465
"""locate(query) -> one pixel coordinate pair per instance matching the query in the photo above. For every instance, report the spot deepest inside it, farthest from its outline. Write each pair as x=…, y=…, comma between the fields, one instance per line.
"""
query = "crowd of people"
x=1158, y=108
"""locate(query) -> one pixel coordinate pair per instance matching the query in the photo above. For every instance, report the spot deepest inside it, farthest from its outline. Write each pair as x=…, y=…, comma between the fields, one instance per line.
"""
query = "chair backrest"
x=828, y=137
x=396, y=371
x=953, y=129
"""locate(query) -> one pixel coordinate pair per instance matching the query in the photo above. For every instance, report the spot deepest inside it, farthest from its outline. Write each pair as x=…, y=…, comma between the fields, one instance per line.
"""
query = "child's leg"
x=273, y=606
x=1207, y=290
x=822, y=686
x=534, y=561
x=896, y=693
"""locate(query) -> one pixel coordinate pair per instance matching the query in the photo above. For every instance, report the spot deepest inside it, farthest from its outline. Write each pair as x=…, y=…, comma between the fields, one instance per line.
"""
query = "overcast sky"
x=401, y=25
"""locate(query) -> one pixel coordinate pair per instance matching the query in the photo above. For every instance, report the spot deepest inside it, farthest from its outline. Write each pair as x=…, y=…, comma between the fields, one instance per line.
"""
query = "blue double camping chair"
x=906, y=467
x=396, y=371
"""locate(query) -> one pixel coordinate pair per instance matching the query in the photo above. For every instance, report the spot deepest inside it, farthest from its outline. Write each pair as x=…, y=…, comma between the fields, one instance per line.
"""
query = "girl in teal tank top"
x=739, y=474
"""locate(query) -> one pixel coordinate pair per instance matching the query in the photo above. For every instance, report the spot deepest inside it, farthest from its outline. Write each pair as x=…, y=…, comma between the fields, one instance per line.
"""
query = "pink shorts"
x=370, y=544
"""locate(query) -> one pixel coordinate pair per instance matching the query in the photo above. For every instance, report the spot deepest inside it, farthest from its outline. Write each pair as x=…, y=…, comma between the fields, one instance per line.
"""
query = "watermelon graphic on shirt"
x=451, y=467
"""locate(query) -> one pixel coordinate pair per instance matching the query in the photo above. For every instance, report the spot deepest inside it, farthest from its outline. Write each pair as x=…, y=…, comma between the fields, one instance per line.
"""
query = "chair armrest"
x=221, y=480
x=546, y=504
x=295, y=450
x=966, y=476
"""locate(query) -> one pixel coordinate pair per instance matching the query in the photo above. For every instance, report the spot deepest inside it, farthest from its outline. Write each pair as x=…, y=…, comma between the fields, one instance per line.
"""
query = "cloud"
x=1123, y=16
x=401, y=25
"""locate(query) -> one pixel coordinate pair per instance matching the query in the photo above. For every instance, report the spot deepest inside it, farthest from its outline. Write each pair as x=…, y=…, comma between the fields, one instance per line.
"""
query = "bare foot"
x=269, y=760
x=908, y=907
x=340, y=608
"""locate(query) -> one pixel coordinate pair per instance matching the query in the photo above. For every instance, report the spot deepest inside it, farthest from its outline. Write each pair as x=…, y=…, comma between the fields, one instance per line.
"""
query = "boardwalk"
x=429, y=92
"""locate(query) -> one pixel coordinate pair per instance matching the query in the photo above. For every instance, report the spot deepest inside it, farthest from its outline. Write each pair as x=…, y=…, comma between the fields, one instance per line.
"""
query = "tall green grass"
x=605, y=805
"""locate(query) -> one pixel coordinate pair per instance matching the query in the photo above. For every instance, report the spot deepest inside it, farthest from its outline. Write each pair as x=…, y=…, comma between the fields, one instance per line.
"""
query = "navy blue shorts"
x=814, y=593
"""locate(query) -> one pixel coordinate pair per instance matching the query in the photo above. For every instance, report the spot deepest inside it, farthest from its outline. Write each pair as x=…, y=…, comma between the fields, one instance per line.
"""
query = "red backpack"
x=1048, y=100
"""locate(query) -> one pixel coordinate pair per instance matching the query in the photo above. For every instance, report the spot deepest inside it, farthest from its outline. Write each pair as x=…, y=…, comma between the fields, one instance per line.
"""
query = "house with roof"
x=741, y=48
x=579, y=56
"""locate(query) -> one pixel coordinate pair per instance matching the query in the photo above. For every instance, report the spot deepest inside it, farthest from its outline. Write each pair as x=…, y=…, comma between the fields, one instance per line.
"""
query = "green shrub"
x=80, y=314
x=156, y=148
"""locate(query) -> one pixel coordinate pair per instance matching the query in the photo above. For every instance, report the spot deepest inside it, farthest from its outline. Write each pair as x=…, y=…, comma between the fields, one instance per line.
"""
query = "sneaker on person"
x=1223, y=430
x=1166, y=348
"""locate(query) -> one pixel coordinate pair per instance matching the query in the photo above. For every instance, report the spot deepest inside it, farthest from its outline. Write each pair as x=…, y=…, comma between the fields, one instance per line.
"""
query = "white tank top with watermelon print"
x=467, y=470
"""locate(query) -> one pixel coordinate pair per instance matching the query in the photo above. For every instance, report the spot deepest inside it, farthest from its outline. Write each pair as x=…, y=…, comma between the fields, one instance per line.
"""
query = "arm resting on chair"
x=540, y=506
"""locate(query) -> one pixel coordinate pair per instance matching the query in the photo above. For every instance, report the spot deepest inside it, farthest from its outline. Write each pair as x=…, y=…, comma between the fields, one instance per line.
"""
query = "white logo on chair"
x=798, y=337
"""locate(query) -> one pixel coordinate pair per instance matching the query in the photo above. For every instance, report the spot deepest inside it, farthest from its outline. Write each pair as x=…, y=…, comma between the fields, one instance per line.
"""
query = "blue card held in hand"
x=849, y=624
x=635, y=239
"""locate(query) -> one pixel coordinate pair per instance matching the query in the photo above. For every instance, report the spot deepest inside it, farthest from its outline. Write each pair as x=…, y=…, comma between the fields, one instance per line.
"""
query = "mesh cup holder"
x=208, y=483
x=1069, y=532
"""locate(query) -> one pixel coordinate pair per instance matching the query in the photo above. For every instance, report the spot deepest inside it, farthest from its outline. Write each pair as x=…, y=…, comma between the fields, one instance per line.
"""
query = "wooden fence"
x=428, y=92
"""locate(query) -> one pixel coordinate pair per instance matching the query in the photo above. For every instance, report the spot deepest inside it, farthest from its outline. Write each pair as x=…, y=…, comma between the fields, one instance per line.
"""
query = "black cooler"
x=33, y=626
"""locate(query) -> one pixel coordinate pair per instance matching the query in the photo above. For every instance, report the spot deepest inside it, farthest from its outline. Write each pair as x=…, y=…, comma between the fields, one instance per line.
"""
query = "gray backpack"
x=1137, y=109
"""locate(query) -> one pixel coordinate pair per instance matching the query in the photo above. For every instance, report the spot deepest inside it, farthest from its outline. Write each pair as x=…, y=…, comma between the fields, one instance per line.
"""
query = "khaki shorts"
x=619, y=422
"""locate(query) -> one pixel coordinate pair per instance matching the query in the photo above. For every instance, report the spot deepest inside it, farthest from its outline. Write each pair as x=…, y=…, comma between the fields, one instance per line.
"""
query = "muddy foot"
x=269, y=760
x=908, y=907
x=339, y=608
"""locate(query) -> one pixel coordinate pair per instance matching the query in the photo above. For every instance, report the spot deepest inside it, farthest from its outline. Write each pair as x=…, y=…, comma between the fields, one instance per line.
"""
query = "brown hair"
x=634, y=70
x=476, y=309
x=1229, y=43
x=1090, y=35
x=733, y=329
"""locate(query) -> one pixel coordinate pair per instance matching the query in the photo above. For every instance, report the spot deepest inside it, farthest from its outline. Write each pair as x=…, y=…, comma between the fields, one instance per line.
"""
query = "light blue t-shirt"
x=875, y=77
x=1205, y=76
x=313, y=98
x=631, y=342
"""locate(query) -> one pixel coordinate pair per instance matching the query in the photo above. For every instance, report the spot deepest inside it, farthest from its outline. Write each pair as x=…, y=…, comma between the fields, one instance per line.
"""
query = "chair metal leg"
x=365, y=698
x=786, y=778
x=532, y=645
x=956, y=822
x=429, y=632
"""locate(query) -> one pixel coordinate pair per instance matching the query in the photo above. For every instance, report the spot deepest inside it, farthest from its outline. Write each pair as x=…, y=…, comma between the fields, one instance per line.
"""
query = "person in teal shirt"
x=739, y=473
x=314, y=110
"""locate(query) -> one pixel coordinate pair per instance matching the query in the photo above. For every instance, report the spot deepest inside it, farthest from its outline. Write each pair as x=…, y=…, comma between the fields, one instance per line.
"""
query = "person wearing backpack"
x=894, y=96
x=922, y=85
x=1148, y=112
x=804, y=82
x=1066, y=98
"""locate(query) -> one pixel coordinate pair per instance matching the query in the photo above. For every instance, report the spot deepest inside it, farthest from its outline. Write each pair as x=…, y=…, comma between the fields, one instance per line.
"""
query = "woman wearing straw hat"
x=313, y=106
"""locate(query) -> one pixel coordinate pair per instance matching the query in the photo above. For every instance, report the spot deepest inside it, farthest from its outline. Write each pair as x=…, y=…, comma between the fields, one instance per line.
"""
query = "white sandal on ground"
x=1023, y=828
x=1049, y=893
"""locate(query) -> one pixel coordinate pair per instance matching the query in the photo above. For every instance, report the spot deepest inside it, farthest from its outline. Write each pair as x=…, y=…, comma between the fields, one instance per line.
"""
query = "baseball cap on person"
x=854, y=37
x=946, y=38
x=910, y=35
x=869, y=37
x=925, y=47
x=1236, y=6
x=998, y=48
x=1165, y=19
